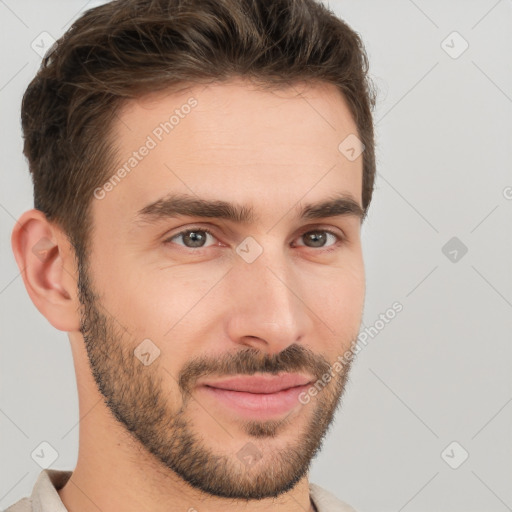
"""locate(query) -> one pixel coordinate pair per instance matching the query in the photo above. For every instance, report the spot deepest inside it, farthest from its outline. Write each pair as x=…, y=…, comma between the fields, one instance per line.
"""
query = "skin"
x=273, y=151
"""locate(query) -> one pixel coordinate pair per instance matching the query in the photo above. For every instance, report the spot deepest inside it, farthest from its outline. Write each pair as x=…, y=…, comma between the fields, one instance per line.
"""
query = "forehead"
x=233, y=142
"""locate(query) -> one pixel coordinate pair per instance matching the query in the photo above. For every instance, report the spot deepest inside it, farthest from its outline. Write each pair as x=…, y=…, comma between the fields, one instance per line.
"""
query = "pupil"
x=196, y=239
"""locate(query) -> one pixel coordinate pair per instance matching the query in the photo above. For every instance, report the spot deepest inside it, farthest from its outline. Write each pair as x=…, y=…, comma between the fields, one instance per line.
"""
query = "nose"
x=268, y=307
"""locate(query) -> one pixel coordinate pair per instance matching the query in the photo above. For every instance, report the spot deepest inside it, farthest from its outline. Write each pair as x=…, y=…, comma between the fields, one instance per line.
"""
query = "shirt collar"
x=45, y=497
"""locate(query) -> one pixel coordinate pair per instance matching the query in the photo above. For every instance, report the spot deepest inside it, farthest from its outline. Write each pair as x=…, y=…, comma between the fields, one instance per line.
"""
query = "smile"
x=257, y=396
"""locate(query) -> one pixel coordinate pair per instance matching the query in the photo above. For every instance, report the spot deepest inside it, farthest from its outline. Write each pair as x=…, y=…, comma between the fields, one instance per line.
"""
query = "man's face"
x=203, y=343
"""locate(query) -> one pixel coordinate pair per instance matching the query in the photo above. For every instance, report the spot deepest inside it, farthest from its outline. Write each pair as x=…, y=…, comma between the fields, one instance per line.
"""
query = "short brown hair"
x=127, y=48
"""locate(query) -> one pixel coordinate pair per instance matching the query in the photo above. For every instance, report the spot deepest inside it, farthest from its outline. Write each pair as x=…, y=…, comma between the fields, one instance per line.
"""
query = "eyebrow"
x=175, y=205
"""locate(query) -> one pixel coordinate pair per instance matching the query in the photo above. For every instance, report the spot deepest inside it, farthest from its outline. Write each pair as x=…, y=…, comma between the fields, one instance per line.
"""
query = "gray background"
x=440, y=370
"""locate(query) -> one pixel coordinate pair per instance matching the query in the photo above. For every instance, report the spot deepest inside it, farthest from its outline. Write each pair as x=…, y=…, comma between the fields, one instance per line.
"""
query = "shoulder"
x=23, y=505
x=44, y=496
x=325, y=501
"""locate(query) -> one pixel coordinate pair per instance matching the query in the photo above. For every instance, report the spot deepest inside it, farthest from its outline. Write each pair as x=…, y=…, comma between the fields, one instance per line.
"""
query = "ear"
x=46, y=260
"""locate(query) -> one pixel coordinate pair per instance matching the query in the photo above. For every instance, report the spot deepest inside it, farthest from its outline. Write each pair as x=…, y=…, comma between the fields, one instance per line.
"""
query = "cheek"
x=166, y=305
x=344, y=307
x=342, y=303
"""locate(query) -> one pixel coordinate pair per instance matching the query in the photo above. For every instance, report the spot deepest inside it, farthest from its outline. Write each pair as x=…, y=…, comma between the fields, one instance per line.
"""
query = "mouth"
x=257, y=396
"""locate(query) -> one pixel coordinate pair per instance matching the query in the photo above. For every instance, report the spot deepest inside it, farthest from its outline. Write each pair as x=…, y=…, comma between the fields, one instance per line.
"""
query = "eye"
x=192, y=238
x=318, y=238
x=196, y=238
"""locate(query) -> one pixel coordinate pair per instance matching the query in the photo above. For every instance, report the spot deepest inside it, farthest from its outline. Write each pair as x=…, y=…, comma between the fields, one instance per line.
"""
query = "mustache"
x=248, y=361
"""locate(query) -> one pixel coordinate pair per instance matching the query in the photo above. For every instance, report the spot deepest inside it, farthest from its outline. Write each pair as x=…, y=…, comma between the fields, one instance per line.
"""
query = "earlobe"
x=46, y=261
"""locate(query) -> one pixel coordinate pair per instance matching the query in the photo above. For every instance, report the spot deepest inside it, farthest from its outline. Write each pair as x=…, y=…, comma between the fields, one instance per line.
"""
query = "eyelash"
x=339, y=238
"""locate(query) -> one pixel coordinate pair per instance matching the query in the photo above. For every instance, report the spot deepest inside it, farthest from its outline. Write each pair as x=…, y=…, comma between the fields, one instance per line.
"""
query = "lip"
x=261, y=396
x=265, y=384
